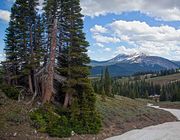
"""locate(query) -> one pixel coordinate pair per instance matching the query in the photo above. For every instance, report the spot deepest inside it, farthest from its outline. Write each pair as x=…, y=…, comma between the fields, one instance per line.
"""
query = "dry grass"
x=165, y=79
x=121, y=109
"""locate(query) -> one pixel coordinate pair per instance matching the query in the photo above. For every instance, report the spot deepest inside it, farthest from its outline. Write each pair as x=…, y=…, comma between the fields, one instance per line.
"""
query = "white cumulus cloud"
x=162, y=9
x=107, y=49
x=4, y=15
x=161, y=40
x=125, y=50
x=105, y=39
x=98, y=29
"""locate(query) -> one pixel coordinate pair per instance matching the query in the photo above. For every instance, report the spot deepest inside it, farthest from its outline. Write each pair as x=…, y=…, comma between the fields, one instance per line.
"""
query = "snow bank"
x=175, y=112
x=165, y=131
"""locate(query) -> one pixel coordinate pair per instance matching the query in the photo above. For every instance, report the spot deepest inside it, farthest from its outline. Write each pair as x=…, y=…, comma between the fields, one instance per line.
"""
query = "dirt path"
x=165, y=131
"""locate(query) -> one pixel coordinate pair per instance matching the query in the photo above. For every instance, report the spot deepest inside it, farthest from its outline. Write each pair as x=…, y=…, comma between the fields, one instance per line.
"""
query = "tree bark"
x=30, y=83
x=36, y=89
x=66, y=100
x=50, y=70
x=30, y=80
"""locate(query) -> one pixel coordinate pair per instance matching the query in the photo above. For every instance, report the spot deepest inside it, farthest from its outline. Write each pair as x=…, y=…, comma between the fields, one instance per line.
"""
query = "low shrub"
x=38, y=120
x=86, y=123
x=60, y=123
x=15, y=117
x=3, y=98
x=59, y=127
x=45, y=119
x=10, y=91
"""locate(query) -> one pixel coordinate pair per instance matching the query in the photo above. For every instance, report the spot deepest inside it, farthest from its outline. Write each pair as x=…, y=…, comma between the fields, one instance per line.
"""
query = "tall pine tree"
x=25, y=48
x=107, y=83
x=73, y=65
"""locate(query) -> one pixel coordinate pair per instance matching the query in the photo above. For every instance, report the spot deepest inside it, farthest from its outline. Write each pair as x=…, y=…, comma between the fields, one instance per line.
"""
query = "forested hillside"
x=140, y=86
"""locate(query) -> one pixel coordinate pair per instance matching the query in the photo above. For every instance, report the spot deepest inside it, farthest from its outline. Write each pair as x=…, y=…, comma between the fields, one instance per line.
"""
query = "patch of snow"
x=165, y=131
x=175, y=112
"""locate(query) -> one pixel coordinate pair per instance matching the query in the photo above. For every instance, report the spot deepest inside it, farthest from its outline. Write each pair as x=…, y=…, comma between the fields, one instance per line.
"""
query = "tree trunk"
x=50, y=70
x=36, y=89
x=66, y=100
x=30, y=83
x=30, y=80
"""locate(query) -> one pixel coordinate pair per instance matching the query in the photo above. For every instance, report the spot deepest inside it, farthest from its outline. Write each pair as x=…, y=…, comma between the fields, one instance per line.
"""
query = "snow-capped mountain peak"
x=132, y=58
x=124, y=64
x=138, y=58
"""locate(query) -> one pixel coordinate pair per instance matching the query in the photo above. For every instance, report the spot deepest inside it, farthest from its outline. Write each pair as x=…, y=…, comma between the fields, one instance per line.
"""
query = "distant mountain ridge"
x=123, y=64
x=177, y=63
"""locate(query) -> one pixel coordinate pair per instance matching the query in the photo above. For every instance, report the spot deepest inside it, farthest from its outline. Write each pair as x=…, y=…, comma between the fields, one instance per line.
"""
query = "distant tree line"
x=138, y=89
x=103, y=85
x=170, y=92
x=144, y=73
x=168, y=72
x=158, y=73
x=135, y=89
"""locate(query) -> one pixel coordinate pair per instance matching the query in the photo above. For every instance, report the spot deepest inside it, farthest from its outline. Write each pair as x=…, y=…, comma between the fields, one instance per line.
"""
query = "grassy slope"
x=15, y=123
x=119, y=115
x=165, y=79
x=122, y=114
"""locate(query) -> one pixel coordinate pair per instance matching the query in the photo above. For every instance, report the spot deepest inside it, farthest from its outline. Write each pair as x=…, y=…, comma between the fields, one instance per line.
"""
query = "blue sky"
x=123, y=26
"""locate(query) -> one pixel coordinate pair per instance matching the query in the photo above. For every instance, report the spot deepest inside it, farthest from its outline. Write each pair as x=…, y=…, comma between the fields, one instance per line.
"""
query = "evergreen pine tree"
x=163, y=94
x=103, y=95
x=107, y=83
x=11, y=51
x=74, y=65
x=20, y=41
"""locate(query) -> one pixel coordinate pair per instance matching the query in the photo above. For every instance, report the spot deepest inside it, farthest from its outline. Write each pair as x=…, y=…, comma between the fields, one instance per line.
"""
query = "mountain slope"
x=122, y=64
x=177, y=63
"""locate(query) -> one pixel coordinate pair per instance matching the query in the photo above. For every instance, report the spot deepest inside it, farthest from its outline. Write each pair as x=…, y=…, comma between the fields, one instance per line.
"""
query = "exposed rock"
x=15, y=134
